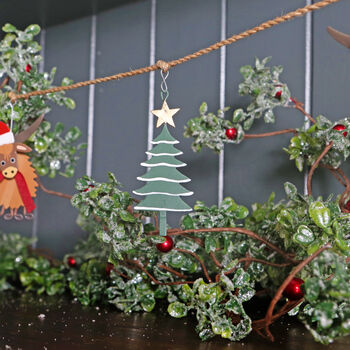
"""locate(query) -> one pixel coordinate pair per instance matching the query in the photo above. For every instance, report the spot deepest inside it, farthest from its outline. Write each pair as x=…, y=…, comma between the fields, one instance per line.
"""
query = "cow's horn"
x=342, y=38
x=27, y=133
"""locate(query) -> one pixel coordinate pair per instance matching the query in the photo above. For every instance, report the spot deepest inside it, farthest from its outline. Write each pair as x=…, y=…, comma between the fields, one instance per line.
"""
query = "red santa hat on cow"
x=6, y=135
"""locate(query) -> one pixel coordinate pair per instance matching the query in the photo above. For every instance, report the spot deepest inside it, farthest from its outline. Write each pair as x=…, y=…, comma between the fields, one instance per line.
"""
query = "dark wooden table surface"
x=68, y=325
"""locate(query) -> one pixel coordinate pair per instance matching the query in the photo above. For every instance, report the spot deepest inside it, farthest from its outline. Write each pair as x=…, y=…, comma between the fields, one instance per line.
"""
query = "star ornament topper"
x=165, y=115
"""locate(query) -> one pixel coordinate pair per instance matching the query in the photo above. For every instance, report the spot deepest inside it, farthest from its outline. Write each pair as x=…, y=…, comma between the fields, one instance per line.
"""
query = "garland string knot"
x=164, y=66
x=12, y=96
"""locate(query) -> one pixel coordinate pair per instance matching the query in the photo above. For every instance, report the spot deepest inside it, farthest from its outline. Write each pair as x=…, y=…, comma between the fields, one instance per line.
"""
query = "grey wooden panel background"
x=253, y=169
x=67, y=48
x=257, y=167
x=121, y=107
x=182, y=27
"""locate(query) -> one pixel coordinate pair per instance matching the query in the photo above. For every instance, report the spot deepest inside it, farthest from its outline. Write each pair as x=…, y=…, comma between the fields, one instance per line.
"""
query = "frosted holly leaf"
x=55, y=164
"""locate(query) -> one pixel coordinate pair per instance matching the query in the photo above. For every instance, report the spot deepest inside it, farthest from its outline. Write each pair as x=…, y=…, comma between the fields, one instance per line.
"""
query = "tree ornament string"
x=164, y=93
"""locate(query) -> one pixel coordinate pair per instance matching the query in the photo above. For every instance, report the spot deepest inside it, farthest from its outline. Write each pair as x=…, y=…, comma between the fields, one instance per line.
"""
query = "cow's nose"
x=10, y=172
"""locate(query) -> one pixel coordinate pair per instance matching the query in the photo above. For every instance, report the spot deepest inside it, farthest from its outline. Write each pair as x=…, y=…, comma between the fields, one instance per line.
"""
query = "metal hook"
x=163, y=86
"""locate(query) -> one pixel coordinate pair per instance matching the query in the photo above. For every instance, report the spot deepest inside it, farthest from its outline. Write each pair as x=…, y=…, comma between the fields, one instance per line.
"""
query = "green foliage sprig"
x=267, y=92
x=261, y=84
x=19, y=69
x=299, y=224
x=215, y=304
x=326, y=311
x=111, y=208
x=309, y=143
x=302, y=224
x=19, y=267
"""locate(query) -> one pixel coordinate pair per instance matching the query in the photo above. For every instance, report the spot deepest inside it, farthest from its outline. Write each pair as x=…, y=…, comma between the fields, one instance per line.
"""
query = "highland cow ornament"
x=17, y=176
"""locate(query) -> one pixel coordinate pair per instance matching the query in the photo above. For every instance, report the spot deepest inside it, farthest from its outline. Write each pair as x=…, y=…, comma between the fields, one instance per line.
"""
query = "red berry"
x=109, y=268
x=231, y=133
x=278, y=95
x=71, y=261
x=347, y=206
x=28, y=68
x=88, y=189
x=166, y=246
x=341, y=127
x=293, y=290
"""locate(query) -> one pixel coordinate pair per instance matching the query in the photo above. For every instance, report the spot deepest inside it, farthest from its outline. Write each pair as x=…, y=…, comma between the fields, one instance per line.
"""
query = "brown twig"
x=336, y=175
x=334, y=172
x=247, y=262
x=315, y=165
x=198, y=240
x=299, y=107
x=4, y=82
x=261, y=292
x=216, y=261
x=174, y=272
x=278, y=295
x=198, y=259
x=250, y=259
x=166, y=65
x=237, y=230
x=257, y=325
x=155, y=217
x=121, y=274
x=346, y=193
x=154, y=280
x=342, y=174
x=268, y=134
x=342, y=178
x=54, y=193
x=19, y=86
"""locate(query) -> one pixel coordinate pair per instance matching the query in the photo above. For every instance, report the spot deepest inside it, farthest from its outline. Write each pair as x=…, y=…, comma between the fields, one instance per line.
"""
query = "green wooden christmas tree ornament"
x=163, y=187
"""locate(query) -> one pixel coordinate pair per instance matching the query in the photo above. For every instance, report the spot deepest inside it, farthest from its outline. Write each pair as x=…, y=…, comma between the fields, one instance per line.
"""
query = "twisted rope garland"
x=165, y=66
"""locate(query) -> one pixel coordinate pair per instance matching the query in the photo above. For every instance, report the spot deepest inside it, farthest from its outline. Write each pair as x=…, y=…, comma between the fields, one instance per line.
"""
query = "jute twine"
x=165, y=66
